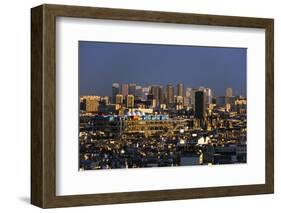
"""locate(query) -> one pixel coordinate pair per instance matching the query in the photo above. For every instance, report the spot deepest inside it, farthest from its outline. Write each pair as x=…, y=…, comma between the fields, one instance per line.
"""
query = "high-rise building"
x=193, y=91
x=188, y=92
x=180, y=90
x=82, y=103
x=150, y=99
x=132, y=89
x=170, y=94
x=119, y=99
x=208, y=96
x=115, y=90
x=200, y=105
x=188, y=95
x=228, y=92
x=145, y=92
x=158, y=94
x=130, y=101
x=161, y=95
x=139, y=93
x=92, y=103
x=186, y=101
x=154, y=90
x=125, y=90
x=179, y=102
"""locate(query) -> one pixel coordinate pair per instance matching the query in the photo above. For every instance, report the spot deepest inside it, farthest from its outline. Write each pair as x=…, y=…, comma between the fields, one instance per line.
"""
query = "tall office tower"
x=119, y=99
x=170, y=94
x=200, y=105
x=193, y=91
x=208, y=96
x=188, y=95
x=156, y=92
x=132, y=89
x=125, y=90
x=180, y=90
x=115, y=90
x=130, y=101
x=228, y=92
x=161, y=95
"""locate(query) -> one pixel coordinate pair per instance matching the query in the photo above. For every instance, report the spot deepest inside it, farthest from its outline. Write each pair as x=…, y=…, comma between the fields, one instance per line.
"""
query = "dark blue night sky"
x=103, y=63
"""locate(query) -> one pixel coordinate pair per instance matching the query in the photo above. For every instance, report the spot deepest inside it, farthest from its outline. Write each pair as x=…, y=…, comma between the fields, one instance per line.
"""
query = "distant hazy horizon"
x=104, y=63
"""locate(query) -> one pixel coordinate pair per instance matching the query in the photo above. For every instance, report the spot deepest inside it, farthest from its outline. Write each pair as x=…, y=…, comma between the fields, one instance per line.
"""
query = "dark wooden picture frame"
x=43, y=105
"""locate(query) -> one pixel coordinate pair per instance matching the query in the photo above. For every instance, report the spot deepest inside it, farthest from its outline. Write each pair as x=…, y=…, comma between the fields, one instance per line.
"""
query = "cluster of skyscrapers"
x=161, y=125
x=126, y=96
x=158, y=96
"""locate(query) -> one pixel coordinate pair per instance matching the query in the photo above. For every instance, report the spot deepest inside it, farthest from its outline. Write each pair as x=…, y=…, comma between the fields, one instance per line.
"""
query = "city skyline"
x=109, y=61
x=147, y=105
x=175, y=87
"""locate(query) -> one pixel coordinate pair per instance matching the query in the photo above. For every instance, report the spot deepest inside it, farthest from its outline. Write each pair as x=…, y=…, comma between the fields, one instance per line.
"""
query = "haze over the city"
x=103, y=63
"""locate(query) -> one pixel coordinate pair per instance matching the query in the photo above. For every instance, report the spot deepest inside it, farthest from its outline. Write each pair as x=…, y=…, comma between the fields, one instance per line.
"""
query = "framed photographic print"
x=136, y=106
